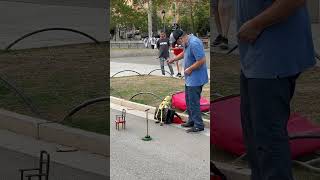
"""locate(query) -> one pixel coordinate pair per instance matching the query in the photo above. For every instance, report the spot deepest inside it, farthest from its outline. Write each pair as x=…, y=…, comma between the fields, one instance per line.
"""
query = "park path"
x=173, y=154
x=20, y=152
x=142, y=64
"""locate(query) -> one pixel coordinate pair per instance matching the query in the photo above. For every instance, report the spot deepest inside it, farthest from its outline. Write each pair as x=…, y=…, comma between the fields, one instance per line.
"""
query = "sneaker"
x=218, y=40
x=178, y=75
x=187, y=124
x=194, y=129
x=224, y=44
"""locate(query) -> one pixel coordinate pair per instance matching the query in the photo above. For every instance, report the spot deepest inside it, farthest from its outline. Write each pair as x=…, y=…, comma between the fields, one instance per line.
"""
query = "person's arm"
x=199, y=54
x=276, y=13
x=158, y=44
x=177, y=58
x=195, y=65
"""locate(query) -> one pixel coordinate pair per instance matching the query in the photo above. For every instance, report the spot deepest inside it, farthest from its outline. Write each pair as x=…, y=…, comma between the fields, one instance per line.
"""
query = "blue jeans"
x=265, y=111
x=193, y=94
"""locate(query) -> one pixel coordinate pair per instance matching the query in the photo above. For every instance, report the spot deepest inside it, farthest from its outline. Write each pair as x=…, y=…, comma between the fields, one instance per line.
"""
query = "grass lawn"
x=306, y=100
x=56, y=79
x=126, y=87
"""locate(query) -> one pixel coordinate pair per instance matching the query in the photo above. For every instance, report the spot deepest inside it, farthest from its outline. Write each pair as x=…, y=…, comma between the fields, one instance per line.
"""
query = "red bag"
x=179, y=102
x=177, y=120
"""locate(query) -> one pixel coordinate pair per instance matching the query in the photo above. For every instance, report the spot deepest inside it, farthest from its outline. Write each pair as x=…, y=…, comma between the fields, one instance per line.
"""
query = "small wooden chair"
x=41, y=171
x=121, y=119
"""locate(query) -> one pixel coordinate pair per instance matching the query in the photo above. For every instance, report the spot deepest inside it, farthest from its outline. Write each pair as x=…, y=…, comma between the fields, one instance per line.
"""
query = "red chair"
x=121, y=119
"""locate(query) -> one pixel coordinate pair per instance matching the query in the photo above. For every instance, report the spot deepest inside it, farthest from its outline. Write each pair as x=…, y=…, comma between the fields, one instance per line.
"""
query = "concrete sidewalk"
x=143, y=65
x=173, y=154
x=140, y=68
x=18, y=151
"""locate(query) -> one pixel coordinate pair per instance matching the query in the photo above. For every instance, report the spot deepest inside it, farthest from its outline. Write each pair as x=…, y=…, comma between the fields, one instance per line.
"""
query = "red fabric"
x=227, y=132
x=179, y=102
x=177, y=51
x=177, y=120
x=214, y=177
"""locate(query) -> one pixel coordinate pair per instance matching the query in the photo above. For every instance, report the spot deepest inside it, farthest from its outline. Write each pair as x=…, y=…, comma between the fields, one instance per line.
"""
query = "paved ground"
x=20, y=17
x=141, y=64
x=173, y=154
x=18, y=151
x=11, y=161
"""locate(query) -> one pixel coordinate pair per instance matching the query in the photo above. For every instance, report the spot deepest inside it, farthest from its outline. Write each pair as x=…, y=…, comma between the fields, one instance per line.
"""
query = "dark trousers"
x=265, y=110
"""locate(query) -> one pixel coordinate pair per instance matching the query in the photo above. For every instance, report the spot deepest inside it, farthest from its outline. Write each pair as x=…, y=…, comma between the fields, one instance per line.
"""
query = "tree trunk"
x=150, y=18
x=192, y=19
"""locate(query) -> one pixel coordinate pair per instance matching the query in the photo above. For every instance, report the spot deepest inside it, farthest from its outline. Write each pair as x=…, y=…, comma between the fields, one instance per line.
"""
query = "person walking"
x=223, y=11
x=275, y=44
x=196, y=75
x=163, y=45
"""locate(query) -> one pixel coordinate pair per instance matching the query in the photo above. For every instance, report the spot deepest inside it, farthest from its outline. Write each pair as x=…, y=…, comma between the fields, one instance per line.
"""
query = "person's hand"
x=170, y=61
x=188, y=71
x=249, y=32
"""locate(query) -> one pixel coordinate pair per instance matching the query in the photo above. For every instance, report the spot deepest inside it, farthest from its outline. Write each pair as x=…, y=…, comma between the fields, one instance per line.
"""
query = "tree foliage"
x=193, y=14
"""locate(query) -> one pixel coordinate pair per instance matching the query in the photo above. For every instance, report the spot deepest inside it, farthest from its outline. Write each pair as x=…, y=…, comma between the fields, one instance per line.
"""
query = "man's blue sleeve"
x=197, y=50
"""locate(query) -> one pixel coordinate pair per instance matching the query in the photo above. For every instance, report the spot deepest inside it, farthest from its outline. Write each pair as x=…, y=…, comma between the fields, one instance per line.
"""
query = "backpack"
x=167, y=115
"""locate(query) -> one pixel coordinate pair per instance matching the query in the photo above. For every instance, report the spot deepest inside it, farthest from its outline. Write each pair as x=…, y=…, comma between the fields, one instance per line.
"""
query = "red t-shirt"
x=177, y=51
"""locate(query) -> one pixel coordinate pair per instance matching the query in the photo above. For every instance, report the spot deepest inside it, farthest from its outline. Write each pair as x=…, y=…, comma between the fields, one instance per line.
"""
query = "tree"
x=124, y=16
x=194, y=16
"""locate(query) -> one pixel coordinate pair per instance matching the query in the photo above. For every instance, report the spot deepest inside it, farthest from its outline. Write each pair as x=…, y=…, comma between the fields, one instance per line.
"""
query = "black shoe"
x=187, y=124
x=178, y=75
x=224, y=44
x=194, y=129
x=218, y=40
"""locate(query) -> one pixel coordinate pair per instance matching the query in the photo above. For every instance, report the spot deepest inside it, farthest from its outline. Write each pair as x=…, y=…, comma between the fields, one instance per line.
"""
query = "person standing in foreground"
x=196, y=75
x=163, y=45
x=275, y=44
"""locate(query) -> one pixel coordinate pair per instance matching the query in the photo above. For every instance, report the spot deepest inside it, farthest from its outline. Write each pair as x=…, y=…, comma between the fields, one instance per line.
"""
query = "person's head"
x=162, y=35
x=179, y=37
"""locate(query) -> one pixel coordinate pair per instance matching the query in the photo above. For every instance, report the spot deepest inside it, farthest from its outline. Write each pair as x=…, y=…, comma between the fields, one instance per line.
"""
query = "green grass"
x=126, y=87
x=56, y=79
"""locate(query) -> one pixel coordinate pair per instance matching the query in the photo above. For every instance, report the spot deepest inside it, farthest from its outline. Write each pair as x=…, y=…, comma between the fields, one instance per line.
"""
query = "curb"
x=54, y=132
x=142, y=107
